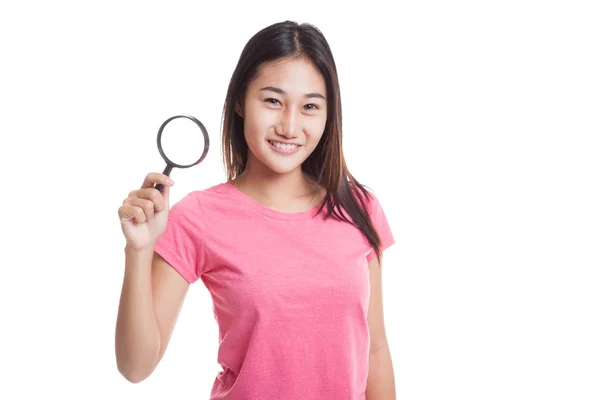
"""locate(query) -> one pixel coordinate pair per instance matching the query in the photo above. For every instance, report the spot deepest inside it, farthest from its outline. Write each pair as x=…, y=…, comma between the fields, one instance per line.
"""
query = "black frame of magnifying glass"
x=171, y=164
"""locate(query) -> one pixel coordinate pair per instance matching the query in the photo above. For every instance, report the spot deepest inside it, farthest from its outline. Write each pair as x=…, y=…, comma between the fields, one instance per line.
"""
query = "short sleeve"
x=381, y=225
x=182, y=242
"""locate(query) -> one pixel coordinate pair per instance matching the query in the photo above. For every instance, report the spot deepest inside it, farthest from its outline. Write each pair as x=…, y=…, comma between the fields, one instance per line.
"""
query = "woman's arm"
x=380, y=382
x=151, y=298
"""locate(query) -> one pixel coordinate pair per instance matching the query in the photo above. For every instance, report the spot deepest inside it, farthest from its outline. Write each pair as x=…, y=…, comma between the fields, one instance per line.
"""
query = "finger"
x=127, y=212
x=155, y=177
x=146, y=205
x=154, y=196
x=165, y=195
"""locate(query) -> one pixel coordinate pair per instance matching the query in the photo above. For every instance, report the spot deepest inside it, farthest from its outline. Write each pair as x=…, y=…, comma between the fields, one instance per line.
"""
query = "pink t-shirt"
x=290, y=294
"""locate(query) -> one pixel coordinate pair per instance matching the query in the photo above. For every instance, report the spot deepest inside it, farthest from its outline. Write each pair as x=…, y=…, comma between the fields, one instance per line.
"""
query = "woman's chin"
x=282, y=165
x=282, y=169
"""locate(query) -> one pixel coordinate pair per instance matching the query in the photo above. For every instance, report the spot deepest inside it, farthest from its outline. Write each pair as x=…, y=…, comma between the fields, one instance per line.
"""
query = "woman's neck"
x=294, y=192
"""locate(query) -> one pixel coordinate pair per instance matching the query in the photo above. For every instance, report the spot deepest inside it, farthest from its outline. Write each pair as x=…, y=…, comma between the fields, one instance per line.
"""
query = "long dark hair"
x=326, y=164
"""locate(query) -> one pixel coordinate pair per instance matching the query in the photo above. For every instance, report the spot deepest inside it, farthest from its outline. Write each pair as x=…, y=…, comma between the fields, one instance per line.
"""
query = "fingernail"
x=171, y=182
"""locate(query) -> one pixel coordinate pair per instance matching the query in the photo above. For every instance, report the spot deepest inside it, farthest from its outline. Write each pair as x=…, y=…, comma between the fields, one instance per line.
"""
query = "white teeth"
x=283, y=146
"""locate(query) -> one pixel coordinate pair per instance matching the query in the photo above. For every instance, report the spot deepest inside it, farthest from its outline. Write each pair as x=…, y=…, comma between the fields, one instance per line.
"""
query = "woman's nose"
x=288, y=125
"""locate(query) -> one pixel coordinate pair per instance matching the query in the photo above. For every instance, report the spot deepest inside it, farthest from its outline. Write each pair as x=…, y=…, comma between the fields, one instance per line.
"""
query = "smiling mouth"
x=283, y=146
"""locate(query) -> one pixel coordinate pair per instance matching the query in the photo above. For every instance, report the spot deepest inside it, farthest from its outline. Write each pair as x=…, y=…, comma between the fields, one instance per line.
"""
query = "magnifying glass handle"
x=166, y=172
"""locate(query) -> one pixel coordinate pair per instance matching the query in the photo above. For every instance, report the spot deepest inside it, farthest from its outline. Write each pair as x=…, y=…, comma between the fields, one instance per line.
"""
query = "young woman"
x=289, y=246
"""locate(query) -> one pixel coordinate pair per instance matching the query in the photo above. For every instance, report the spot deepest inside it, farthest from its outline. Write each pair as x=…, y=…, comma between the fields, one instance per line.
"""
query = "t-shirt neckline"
x=270, y=212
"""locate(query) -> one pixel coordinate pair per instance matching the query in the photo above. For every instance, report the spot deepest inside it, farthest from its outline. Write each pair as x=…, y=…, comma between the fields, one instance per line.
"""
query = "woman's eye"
x=308, y=106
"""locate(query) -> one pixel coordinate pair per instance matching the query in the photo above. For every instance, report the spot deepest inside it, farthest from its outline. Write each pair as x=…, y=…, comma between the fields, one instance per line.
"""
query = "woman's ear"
x=239, y=109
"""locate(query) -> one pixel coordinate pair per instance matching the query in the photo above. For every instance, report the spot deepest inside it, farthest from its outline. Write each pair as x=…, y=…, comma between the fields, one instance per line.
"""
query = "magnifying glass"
x=181, y=137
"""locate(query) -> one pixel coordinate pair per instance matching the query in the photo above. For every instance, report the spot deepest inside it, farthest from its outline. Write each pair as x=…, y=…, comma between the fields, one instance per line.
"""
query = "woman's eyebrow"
x=282, y=92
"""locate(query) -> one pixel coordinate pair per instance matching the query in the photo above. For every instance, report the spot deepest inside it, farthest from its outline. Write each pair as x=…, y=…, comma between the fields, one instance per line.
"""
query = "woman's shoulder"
x=215, y=192
x=196, y=196
x=216, y=189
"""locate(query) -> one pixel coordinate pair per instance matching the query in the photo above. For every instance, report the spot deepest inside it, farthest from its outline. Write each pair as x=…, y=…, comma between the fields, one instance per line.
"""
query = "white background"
x=476, y=123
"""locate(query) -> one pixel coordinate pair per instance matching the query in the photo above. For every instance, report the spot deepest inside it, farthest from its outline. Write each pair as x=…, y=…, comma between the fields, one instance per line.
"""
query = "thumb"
x=166, y=192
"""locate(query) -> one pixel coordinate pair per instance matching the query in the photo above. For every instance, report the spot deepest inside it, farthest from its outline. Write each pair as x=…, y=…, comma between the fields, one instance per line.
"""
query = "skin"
x=380, y=381
x=272, y=179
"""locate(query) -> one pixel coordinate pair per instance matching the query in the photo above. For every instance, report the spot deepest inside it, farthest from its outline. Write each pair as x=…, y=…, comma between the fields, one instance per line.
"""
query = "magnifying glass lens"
x=182, y=141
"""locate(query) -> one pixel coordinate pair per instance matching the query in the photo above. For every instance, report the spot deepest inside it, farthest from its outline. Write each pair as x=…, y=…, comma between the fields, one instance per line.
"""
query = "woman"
x=289, y=246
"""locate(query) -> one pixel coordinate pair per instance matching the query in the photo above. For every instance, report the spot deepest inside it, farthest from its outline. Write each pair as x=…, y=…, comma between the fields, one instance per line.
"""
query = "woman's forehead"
x=289, y=76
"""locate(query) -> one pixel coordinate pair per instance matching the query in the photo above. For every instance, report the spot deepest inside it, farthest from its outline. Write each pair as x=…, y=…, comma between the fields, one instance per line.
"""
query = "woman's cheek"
x=262, y=120
x=316, y=127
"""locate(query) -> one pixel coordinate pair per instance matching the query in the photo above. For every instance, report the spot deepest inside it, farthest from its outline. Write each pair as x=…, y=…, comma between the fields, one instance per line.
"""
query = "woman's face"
x=285, y=103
